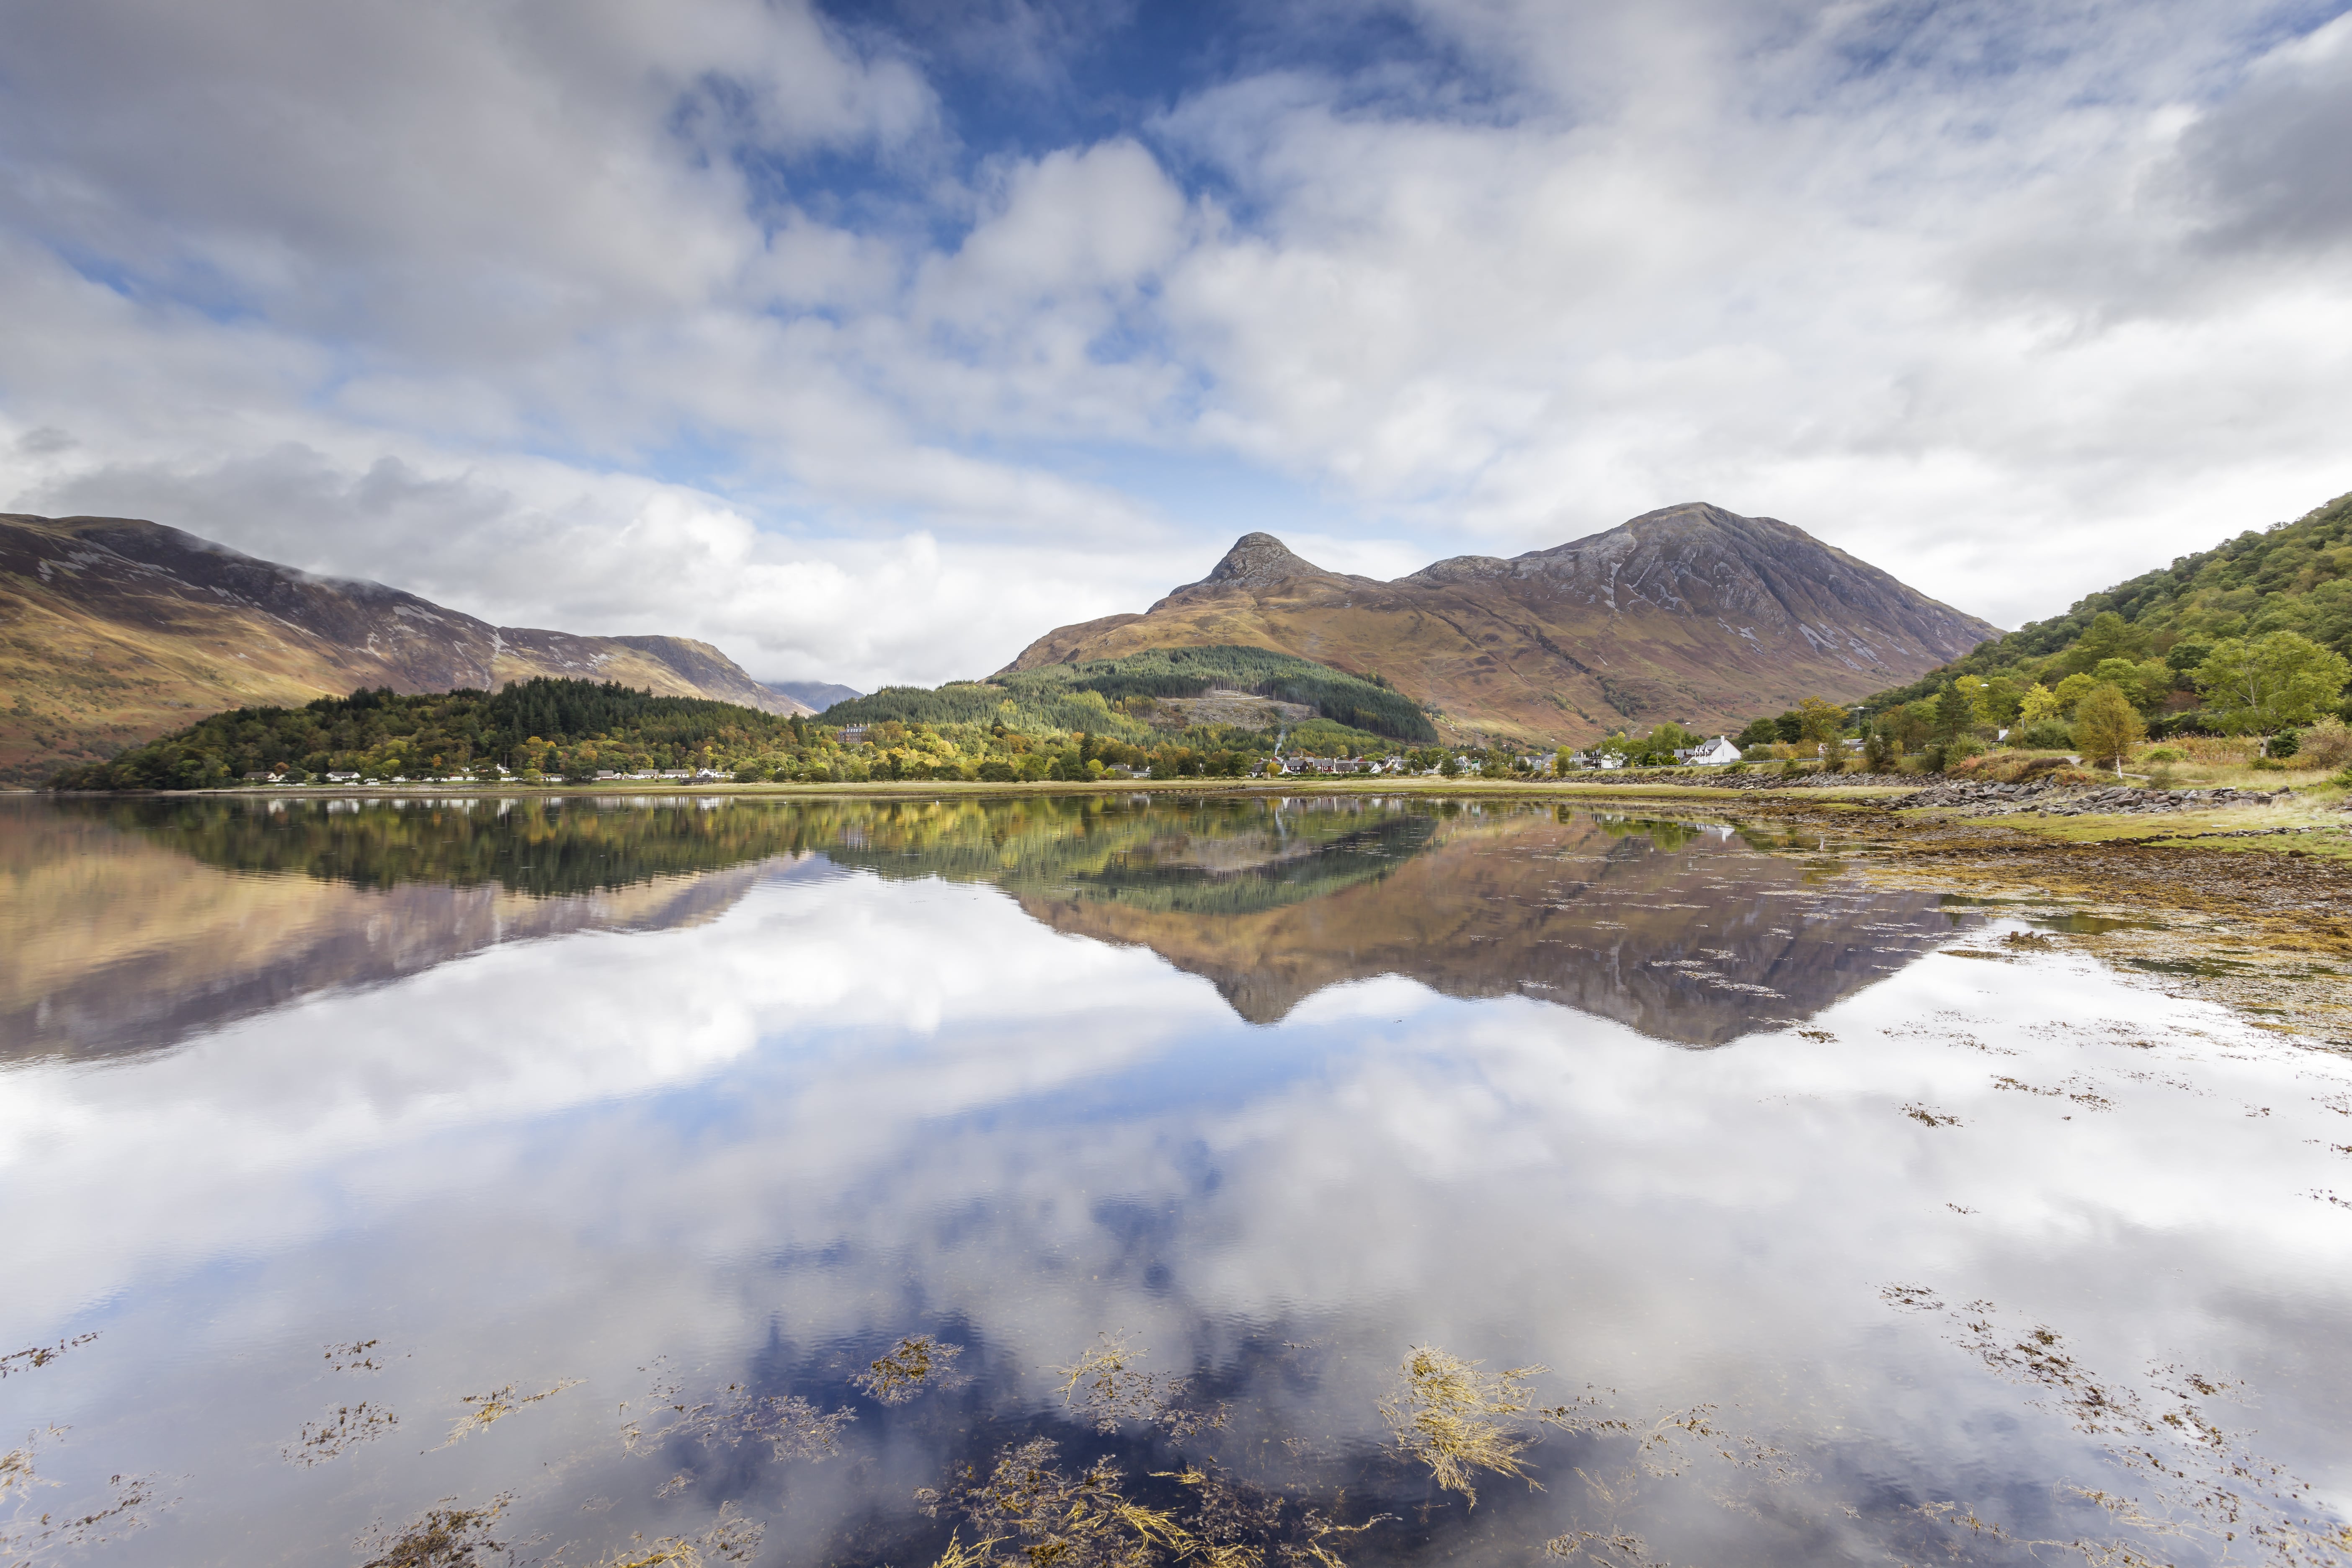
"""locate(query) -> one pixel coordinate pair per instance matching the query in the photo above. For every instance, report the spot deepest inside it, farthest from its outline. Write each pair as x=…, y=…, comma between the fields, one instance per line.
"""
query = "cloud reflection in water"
x=838, y=1109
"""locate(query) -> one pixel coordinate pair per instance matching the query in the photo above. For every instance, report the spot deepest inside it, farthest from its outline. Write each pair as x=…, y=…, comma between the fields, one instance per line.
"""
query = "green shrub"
x=2048, y=735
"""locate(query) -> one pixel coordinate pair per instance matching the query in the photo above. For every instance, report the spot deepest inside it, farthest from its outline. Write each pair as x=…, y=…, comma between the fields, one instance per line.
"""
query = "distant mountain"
x=815, y=695
x=113, y=631
x=1692, y=614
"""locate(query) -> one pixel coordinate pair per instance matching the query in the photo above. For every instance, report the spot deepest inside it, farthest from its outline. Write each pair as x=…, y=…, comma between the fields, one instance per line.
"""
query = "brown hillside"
x=114, y=631
x=1692, y=614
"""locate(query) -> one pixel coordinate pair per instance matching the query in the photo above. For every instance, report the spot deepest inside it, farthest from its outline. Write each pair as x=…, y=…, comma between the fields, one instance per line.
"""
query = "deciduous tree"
x=2107, y=725
x=2262, y=685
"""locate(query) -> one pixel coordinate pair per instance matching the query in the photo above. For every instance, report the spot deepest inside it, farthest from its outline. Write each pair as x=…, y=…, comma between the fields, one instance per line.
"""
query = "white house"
x=1714, y=754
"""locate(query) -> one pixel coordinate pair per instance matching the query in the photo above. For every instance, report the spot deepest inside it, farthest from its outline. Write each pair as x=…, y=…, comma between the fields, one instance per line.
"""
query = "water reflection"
x=141, y=924
x=715, y=1169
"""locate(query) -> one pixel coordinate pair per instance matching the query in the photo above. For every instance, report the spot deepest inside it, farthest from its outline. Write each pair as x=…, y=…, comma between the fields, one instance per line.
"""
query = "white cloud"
x=706, y=319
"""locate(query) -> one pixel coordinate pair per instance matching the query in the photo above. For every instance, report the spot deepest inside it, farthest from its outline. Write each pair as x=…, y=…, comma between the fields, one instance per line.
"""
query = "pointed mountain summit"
x=1258, y=560
x=1691, y=613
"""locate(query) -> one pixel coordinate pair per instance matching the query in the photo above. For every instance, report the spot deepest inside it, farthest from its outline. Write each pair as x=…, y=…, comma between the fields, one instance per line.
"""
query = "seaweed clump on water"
x=790, y=1426
x=40, y=1356
x=442, y=1536
x=490, y=1408
x=915, y=1364
x=1049, y=1515
x=1029, y=1509
x=733, y=1539
x=339, y=1431
x=2204, y=1482
x=127, y=1510
x=1456, y=1419
x=1106, y=1384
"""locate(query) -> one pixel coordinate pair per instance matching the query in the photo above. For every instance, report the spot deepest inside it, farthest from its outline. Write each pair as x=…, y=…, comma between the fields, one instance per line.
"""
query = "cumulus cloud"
x=869, y=349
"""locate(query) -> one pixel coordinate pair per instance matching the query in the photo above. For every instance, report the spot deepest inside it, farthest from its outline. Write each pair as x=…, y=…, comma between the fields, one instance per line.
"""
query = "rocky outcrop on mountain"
x=1692, y=614
x=113, y=631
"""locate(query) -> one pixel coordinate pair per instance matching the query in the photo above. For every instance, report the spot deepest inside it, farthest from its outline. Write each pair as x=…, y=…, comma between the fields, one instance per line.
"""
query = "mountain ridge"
x=1690, y=613
x=114, y=630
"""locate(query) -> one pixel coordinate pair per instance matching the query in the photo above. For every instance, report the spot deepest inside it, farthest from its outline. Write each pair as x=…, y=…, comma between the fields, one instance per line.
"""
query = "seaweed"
x=338, y=1432
x=915, y=1364
x=731, y=1537
x=1086, y=1521
x=1447, y=1414
x=442, y=1536
x=40, y=1356
x=2203, y=1481
x=793, y=1427
x=130, y=1506
x=1106, y=1385
x=490, y=1408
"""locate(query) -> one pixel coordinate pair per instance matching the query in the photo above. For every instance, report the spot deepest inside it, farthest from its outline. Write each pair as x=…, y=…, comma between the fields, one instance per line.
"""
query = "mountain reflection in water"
x=136, y=924
x=840, y=1183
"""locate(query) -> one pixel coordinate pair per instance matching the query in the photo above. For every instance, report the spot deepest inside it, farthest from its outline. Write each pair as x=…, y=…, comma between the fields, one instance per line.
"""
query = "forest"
x=1056, y=724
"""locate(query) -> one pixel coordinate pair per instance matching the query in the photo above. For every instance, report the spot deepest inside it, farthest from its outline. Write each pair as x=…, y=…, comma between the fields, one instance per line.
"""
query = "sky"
x=871, y=341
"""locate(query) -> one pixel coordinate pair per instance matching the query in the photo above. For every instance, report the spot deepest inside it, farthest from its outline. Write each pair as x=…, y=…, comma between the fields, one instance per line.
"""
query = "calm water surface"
x=565, y=1167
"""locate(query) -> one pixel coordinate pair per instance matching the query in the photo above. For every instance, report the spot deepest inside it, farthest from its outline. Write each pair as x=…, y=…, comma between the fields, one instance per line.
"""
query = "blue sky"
x=870, y=340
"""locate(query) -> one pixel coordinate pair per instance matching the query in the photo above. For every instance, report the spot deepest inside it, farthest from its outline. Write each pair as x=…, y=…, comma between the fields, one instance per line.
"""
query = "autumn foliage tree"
x=2106, y=725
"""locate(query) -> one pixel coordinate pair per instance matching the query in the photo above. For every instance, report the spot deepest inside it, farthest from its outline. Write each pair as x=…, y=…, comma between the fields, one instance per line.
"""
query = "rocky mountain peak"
x=1260, y=561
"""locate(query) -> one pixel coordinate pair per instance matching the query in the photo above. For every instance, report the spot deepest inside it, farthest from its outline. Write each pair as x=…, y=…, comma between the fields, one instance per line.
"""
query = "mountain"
x=1616, y=920
x=1692, y=614
x=818, y=695
x=113, y=631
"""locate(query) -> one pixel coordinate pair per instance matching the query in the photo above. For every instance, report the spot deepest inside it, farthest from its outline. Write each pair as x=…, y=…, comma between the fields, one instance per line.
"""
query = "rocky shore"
x=2052, y=799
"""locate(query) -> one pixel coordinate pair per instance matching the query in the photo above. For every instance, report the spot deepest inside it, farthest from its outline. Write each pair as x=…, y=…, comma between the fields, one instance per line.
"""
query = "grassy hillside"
x=1115, y=696
x=2293, y=577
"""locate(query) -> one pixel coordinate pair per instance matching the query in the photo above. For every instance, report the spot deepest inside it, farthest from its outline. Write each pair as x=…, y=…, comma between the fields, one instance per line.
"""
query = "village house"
x=1712, y=754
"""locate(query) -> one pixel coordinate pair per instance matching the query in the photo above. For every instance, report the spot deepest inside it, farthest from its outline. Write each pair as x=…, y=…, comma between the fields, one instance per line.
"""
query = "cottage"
x=1714, y=753
x=853, y=735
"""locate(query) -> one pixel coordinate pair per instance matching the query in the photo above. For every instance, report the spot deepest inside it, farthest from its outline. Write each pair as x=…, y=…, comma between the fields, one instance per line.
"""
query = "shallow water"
x=408, y=1155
